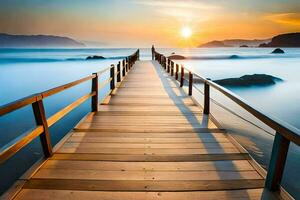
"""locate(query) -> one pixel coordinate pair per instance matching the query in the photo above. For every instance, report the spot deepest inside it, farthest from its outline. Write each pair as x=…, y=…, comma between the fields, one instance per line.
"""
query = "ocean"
x=28, y=71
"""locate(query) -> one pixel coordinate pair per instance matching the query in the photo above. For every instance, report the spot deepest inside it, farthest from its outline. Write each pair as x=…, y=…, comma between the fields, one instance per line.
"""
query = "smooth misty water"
x=280, y=100
x=27, y=71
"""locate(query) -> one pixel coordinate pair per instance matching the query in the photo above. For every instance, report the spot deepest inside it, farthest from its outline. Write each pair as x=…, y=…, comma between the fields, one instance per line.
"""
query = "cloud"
x=177, y=4
x=187, y=10
x=292, y=19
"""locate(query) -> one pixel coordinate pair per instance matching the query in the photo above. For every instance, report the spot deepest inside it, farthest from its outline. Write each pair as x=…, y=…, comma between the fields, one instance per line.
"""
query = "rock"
x=244, y=46
x=94, y=57
x=284, y=40
x=234, y=57
x=278, y=50
x=176, y=57
x=249, y=80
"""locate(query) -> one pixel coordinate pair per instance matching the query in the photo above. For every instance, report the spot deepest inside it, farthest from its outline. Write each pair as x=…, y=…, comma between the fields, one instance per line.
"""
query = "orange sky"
x=126, y=23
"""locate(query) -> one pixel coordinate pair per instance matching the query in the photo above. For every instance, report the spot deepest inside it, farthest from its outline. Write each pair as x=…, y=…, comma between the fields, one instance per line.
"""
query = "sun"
x=186, y=32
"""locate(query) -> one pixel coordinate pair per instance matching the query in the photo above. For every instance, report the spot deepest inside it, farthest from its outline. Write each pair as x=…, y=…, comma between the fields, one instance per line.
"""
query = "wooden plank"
x=149, y=108
x=198, y=145
x=88, y=174
x=141, y=126
x=235, y=165
x=150, y=158
x=148, y=140
x=143, y=151
x=157, y=135
x=145, y=185
x=35, y=194
x=137, y=129
x=147, y=113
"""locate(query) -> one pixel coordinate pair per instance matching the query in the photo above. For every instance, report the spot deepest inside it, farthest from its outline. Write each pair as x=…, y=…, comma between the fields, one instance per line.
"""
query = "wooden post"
x=119, y=72
x=126, y=65
x=277, y=162
x=206, y=99
x=169, y=66
x=95, y=89
x=166, y=63
x=190, y=83
x=112, y=76
x=172, y=69
x=40, y=119
x=123, y=68
x=182, y=76
x=176, y=72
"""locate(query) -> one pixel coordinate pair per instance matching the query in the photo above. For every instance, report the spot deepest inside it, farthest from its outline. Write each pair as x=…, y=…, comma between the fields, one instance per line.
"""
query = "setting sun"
x=186, y=32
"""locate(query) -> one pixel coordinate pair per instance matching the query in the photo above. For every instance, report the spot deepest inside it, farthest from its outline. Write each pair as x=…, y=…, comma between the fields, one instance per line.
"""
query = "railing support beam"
x=95, y=99
x=40, y=119
x=277, y=162
x=119, y=72
x=182, y=76
x=206, y=99
x=190, y=83
x=112, y=76
x=176, y=72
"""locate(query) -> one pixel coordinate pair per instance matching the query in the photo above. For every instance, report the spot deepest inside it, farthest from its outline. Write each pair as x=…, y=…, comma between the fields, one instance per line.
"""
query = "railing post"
x=190, y=83
x=41, y=120
x=277, y=162
x=112, y=76
x=126, y=64
x=166, y=63
x=169, y=66
x=176, y=72
x=123, y=68
x=95, y=89
x=172, y=69
x=119, y=72
x=206, y=98
x=182, y=76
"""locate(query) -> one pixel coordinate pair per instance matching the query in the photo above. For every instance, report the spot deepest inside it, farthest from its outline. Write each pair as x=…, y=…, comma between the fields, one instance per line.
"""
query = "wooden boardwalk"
x=150, y=141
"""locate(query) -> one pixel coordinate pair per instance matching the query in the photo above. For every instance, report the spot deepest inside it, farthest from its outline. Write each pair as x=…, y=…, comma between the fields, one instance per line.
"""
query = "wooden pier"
x=148, y=140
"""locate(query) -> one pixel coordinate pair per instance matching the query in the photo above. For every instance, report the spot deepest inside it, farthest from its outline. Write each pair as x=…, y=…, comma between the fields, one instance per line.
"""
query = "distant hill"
x=284, y=40
x=8, y=41
x=234, y=43
x=214, y=44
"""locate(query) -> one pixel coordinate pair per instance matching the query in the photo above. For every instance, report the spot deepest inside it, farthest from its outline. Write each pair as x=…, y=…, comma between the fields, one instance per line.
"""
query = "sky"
x=141, y=23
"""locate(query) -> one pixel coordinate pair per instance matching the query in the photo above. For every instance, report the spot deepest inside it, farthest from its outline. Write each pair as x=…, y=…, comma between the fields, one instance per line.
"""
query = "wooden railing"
x=285, y=133
x=43, y=124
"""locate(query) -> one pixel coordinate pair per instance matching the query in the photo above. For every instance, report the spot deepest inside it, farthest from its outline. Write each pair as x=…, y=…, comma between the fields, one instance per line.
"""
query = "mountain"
x=284, y=40
x=8, y=41
x=235, y=43
x=214, y=43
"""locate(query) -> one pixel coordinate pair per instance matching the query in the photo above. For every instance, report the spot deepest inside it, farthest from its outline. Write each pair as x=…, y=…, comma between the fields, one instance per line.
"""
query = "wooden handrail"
x=43, y=124
x=285, y=133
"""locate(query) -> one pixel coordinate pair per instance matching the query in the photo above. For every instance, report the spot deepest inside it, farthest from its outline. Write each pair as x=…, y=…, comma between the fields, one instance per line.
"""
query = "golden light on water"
x=186, y=32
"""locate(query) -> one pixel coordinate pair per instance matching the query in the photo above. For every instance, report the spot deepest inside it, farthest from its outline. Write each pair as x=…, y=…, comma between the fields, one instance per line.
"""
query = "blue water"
x=27, y=71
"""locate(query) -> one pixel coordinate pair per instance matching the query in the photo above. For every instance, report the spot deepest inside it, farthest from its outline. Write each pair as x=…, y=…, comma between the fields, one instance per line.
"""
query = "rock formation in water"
x=278, y=50
x=36, y=41
x=284, y=40
x=95, y=57
x=249, y=80
x=176, y=57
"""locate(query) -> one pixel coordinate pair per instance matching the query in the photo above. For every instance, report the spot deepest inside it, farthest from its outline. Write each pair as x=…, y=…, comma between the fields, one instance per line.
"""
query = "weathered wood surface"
x=151, y=141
